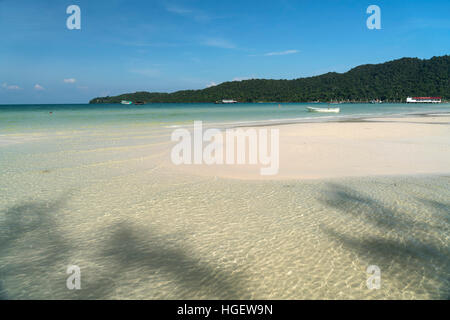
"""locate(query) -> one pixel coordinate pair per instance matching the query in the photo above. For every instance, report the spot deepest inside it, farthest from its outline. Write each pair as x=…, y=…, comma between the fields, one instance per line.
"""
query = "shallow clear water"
x=100, y=197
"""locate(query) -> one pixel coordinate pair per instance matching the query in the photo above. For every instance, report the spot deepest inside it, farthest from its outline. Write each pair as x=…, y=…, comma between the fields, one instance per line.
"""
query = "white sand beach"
x=369, y=147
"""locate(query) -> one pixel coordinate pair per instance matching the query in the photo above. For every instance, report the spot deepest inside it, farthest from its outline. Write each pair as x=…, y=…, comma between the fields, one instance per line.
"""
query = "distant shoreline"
x=392, y=81
x=178, y=103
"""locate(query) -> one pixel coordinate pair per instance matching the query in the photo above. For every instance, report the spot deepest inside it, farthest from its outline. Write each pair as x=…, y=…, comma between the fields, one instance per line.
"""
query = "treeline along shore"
x=391, y=81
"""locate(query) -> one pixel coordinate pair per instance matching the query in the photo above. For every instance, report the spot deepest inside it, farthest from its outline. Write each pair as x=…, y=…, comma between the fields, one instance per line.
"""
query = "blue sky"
x=159, y=45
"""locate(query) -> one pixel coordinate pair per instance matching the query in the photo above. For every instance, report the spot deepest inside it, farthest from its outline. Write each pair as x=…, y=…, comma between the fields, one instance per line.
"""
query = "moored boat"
x=312, y=109
x=225, y=101
x=126, y=102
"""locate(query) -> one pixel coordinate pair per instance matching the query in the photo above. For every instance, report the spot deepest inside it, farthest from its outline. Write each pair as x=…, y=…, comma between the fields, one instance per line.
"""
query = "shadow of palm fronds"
x=33, y=224
x=403, y=243
x=129, y=249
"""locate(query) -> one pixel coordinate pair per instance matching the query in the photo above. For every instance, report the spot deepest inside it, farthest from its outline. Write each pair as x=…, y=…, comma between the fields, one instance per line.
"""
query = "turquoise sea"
x=37, y=117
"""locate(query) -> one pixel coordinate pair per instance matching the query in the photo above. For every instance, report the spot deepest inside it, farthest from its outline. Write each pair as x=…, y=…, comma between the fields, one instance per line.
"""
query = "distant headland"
x=391, y=81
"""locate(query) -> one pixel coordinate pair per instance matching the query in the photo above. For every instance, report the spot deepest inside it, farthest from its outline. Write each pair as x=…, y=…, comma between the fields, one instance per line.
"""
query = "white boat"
x=225, y=101
x=126, y=102
x=312, y=109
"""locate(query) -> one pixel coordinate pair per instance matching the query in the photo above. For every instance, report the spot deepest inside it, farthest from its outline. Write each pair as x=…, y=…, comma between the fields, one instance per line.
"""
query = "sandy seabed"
x=348, y=195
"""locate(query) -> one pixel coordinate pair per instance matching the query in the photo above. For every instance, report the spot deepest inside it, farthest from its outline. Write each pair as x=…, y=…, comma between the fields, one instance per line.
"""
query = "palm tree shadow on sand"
x=401, y=245
x=126, y=249
x=30, y=244
x=140, y=249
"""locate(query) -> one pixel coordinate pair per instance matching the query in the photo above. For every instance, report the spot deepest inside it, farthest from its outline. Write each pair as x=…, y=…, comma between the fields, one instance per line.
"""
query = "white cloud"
x=241, y=78
x=70, y=80
x=281, y=53
x=144, y=44
x=211, y=84
x=178, y=9
x=38, y=87
x=146, y=72
x=10, y=87
x=188, y=12
x=219, y=43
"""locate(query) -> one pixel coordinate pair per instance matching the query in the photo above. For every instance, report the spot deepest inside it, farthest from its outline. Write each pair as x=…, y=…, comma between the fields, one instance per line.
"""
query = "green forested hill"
x=390, y=81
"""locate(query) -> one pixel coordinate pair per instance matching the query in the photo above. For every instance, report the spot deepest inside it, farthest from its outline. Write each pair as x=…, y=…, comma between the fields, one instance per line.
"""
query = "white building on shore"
x=424, y=100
